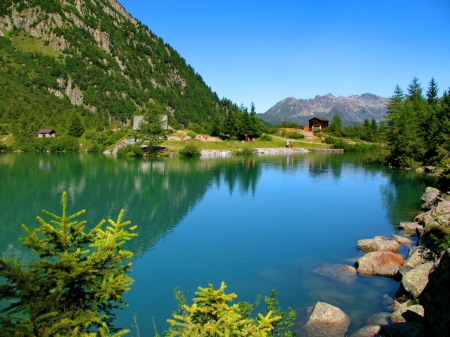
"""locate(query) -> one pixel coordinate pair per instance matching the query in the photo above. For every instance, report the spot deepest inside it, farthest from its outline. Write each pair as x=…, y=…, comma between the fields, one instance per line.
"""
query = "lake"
x=257, y=223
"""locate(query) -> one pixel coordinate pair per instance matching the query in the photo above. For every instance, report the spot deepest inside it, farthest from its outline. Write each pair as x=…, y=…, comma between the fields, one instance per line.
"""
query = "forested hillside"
x=92, y=58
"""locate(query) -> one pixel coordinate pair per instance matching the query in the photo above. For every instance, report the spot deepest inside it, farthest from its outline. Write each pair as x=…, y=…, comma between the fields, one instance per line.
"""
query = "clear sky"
x=264, y=51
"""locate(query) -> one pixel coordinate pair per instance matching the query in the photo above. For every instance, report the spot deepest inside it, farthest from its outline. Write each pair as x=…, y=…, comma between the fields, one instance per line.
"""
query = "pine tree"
x=336, y=126
x=432, y=93
x=255, y=123
x=211, y=315
x=74, y=285
x=76, y=127
x=151, y=128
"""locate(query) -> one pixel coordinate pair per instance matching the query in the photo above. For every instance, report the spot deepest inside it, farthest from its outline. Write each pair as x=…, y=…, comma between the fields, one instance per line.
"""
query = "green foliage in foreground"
x=75, y=283
x=212, y=315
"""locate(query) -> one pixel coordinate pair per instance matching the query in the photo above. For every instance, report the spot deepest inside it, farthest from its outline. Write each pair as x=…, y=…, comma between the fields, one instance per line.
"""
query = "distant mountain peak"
x=352, y=109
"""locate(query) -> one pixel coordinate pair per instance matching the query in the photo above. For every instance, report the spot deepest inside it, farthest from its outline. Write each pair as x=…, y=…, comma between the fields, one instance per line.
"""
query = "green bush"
x=190, y=150
x=265, y=138
x=130, y=151
x=245, y=152
x=444, y=181
x=96, y=148
x=296, y=135
x=358, y=147
x=191, y=134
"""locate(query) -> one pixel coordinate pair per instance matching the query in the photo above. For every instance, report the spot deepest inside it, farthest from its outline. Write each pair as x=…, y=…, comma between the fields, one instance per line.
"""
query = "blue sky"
x=264, y=51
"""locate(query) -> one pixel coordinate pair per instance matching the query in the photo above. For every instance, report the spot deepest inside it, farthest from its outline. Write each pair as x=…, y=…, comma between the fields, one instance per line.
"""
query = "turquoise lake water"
x=257, y=223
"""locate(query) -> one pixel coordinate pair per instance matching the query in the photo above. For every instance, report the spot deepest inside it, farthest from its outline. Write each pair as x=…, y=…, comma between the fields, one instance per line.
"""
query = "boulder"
x=430, y=195
x=380, y=318
x=415, y=280
x=398, y=306
x=381, y=263
x=335, y=272
x=435, y=298
x=407, y=329
x=376, y=244
x=443, y=207
x=408, y=227
x=417, y=255
x=388, y=302
x=413, y=313
x=401, y=240
x=423, y=218
x=327, y=320
x=431, y=230
x=368, y=330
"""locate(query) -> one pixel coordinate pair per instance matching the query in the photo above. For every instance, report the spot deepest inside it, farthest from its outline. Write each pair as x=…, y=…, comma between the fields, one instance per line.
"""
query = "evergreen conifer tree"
x=74, y=285
x=151, y=127
x=211, y=315
x=76, y=127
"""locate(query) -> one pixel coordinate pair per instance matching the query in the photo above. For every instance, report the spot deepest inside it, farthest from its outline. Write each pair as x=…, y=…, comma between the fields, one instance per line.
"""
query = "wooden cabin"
x=318, y=123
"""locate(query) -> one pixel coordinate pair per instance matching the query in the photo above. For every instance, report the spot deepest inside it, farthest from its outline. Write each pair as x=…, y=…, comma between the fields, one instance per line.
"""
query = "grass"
x=30, y=44
x=237, y=145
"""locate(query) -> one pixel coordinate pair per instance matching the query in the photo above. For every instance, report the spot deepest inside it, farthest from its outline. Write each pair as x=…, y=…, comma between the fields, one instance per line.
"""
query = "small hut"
x=318, y=123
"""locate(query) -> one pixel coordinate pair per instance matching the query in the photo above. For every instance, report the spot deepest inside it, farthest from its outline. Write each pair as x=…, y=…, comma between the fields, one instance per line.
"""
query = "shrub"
x=296, y=135
x=96, y=148
x=358, y=147
x=190, y=150
x=245, y=152
x=191, y=134
x=265, y=138
x=130, y=151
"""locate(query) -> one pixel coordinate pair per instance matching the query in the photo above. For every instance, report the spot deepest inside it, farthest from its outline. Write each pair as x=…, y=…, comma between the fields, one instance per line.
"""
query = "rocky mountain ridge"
x=352, y=109
x=101, y=58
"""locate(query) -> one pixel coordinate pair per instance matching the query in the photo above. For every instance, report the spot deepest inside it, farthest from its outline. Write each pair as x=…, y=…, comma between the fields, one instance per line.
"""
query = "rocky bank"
x=422, y=304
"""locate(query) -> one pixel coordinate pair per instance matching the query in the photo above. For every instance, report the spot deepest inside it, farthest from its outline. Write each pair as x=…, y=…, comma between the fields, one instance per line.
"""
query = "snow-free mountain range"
x=352, y=109
x=94, y=57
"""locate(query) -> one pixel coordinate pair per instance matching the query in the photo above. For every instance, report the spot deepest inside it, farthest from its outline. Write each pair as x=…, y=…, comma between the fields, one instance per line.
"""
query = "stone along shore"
x=422, y=304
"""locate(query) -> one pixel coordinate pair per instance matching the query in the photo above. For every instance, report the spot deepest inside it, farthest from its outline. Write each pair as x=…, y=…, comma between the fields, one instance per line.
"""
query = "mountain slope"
x=94, y=55
x=353, y=109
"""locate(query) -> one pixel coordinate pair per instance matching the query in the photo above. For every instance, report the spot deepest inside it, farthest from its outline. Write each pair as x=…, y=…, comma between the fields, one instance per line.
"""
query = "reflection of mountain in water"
x=156, y=194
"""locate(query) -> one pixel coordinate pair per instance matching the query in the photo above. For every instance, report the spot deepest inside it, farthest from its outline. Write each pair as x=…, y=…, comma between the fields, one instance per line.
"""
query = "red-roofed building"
x=318, y=123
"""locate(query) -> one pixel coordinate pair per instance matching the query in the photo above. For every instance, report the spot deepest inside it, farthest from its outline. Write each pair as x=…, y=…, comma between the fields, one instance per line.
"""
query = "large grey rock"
x=407, y=329
x=381, y=263
x=443, y=207
x=416, y=256
x=368, y=330
x=413, y=313
x=401, y=240
x=327, y=320
x=430, y=195
x=423, y=218
x=377, y=243
x=408, y=227
x=416, y=279
x=435, y=298
x=335, y=272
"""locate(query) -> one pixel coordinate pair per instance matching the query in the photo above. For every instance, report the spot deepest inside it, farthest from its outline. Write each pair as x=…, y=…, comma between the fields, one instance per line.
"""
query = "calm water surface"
x=256, y=223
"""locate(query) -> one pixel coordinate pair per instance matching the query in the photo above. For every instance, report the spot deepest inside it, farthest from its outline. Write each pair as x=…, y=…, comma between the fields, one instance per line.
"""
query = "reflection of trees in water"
x=401, y=194
x=156, y=194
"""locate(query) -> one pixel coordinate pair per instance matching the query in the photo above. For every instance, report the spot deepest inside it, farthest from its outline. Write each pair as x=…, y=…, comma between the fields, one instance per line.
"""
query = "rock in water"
x=377, y=243
x=381, y=263
x=327, y=320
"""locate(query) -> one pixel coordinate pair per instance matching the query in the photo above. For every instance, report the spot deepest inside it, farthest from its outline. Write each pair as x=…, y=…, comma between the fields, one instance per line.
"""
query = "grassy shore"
x=231, y=145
